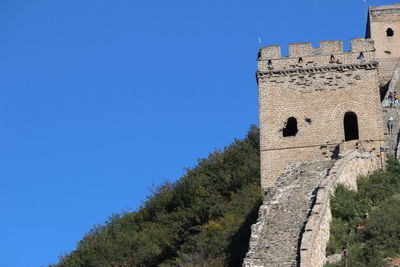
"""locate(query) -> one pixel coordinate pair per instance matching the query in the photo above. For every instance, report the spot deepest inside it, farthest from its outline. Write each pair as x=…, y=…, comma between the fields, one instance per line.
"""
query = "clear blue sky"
x=101, y=99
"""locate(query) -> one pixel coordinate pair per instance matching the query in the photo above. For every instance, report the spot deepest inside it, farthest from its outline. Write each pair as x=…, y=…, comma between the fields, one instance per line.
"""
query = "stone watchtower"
x=384, y=28
x=321, y=124
x=317, y=101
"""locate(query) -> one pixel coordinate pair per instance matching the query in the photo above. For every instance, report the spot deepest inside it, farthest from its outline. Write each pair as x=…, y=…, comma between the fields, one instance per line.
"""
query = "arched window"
x=350, y=126
x=290, y=127
x=389, y=32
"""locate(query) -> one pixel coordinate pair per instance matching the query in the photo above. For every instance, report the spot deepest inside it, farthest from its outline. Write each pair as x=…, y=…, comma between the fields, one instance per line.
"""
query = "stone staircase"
x=392, y=140
x=277, y=234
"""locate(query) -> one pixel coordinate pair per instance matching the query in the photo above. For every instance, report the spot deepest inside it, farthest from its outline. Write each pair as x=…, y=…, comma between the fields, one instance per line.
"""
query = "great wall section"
x=293, y=224
x=336, y=124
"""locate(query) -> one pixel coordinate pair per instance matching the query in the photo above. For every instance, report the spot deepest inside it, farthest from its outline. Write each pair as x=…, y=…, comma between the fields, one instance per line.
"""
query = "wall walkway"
x=294, y=220
x=392, y=139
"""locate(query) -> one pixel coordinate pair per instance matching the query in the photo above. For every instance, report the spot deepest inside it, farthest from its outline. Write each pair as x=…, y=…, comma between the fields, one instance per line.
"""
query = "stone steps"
x=395, y=114
x=276, y=236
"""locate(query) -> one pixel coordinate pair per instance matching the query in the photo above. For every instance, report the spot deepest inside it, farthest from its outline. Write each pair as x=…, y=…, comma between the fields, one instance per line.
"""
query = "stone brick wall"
x=392, y=139
x=380, y=19
x=275, y=237
x=393, y=85
x=386, y=68
x=316, y=86
x=293, y=226
x=317, y=230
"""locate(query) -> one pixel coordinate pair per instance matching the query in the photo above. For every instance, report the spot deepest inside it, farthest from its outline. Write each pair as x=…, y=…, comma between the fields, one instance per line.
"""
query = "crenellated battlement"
x=292, y=89
x=383, y=27
x=304, y=55
x=325, y=48
x=377, y=13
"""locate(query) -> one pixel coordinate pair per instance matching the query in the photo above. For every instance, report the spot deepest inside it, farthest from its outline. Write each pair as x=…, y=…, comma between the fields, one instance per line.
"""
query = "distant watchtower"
x=315, y=102
x=384, y=28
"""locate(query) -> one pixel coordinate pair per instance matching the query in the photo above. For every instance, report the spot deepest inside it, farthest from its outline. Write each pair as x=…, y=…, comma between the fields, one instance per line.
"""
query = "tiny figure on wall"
x=390, y=99
x=396, y=99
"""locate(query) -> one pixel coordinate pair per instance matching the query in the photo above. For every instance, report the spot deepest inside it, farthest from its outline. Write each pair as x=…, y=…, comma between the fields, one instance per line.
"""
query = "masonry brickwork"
x=294, y=221
x=323, y=121
x=274, y=239
x=316, y=87
x=384, y=28
x=392, y=135
x=316, y=233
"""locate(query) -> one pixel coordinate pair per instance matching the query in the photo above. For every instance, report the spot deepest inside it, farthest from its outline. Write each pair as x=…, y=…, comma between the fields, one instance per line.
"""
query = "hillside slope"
x=366, y=223
x=202, y=219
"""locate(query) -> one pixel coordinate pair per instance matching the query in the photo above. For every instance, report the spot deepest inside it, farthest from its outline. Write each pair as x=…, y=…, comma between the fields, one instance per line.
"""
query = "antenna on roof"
x=259, y=41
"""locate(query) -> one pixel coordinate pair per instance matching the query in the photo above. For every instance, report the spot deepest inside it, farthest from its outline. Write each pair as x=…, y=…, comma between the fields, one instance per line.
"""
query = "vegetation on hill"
x=367, y=222
x=202, y=219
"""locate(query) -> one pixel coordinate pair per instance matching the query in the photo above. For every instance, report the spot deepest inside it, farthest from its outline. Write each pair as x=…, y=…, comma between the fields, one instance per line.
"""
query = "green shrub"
x=202, y=219
x=367, y=221
x=339, y=236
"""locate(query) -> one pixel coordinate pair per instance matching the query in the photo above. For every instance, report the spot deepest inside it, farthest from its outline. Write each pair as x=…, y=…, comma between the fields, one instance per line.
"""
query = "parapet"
x=330, y=47
x=396, y=5
x=385, y=8
x=272, y=51
x=325, y=48
x=380, y=13
x=328, y=54
x=300, y=49
x=361, y=45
